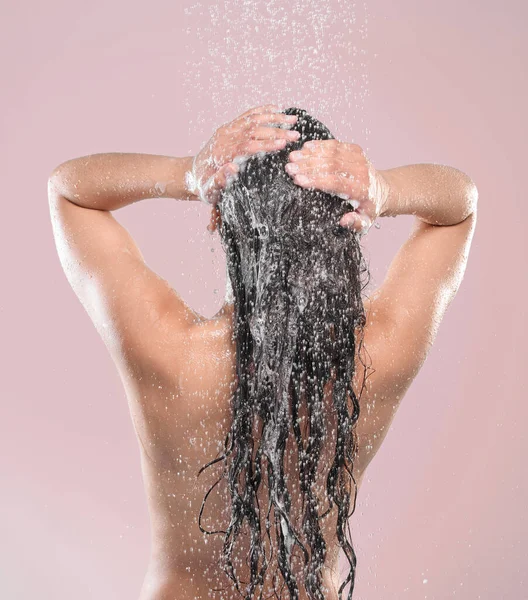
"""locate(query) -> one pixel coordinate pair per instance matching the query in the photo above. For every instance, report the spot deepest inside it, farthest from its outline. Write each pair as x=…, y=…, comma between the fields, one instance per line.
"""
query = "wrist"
x=389, y=194
x=181, y=184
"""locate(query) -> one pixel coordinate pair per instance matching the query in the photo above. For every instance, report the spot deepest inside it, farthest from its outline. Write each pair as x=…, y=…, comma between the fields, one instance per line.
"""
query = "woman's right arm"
x=436, y=194
x=405, y=312
x=424, y=276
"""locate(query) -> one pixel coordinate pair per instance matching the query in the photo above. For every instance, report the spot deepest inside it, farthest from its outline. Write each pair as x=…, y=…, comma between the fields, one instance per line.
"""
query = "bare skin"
x=177, y=367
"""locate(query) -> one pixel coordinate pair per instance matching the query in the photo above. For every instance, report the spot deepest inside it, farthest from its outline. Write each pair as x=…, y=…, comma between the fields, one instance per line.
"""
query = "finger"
x=351, y=221
x=261, y=118
x=231, y=168
x=310, y=153
x=225, y=174
x=332, y=184
x=254, y=146
x=215, y=220
x=365, y=218
x=356, y=222
x=212, y=225
x=269, y=133
x=237, y=144
x=213, y=188
x=234, y=137
x=309, y=166
x=272, y=116
x=241, y=122
x=321, y=147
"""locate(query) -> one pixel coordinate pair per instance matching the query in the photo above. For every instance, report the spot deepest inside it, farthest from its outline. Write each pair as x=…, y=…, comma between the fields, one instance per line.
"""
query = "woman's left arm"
x=133, y=308
x=112, y=180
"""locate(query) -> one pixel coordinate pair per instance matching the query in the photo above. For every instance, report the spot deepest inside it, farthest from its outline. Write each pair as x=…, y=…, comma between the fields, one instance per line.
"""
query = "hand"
x=342, y=169
x=251, y=132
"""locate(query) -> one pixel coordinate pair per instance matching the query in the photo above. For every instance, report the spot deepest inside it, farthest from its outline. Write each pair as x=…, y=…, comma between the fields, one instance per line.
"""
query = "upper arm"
x=405, y=312
x=132, y=308
x=403, y=317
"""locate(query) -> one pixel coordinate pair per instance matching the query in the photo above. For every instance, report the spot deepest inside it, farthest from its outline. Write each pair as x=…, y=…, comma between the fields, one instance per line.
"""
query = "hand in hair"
x=343, y=169
x=260, y=129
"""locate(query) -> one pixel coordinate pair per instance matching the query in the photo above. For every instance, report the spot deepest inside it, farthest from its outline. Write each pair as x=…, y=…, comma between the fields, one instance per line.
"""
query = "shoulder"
x=135, y=311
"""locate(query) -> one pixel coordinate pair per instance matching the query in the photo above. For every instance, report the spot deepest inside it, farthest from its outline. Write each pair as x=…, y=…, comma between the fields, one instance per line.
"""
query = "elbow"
x=53, y=181
x=464, y=190
x=58, y=181
x=472, y=196
x=469, y=192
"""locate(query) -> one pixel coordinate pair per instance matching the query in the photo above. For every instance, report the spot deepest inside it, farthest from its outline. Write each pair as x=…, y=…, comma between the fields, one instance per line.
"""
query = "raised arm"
x=405, y=312
x=128, y=303
x=426, y=273
x=436, y=194
x=137, y=312
x=113, y=180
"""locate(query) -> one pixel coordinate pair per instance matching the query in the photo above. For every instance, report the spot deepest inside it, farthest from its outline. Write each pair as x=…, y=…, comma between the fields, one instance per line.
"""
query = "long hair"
x=297, y=278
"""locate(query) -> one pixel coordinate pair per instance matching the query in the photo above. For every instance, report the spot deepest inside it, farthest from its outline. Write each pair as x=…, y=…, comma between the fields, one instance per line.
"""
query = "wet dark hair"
x=297, y=278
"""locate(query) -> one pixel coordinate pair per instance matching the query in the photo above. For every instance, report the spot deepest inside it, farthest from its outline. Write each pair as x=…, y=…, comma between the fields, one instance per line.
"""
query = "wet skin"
x=180, y=409
x=178, y=368
x=178, y=372
x=182, y=414
x=179, y=394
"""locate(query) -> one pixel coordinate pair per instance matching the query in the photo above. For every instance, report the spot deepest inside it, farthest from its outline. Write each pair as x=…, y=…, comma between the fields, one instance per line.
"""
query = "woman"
x=273, y=394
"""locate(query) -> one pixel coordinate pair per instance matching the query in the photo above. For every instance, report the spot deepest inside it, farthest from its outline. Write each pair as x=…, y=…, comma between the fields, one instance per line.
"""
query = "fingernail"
x=347, y=220
x=293, y=135
x=302, y=179
x=292, y=168
x=291, y=118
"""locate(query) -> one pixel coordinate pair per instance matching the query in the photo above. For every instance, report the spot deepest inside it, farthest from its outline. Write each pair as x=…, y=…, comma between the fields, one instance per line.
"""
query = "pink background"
x=443, y=508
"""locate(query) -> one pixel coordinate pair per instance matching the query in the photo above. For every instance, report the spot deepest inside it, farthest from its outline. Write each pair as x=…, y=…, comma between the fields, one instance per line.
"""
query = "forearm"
x=436, y=194
x=113, y=180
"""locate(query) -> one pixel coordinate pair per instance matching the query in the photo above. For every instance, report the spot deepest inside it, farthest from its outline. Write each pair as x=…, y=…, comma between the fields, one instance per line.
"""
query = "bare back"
x=403, y=317
x=183, y=416
x=178, y=370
